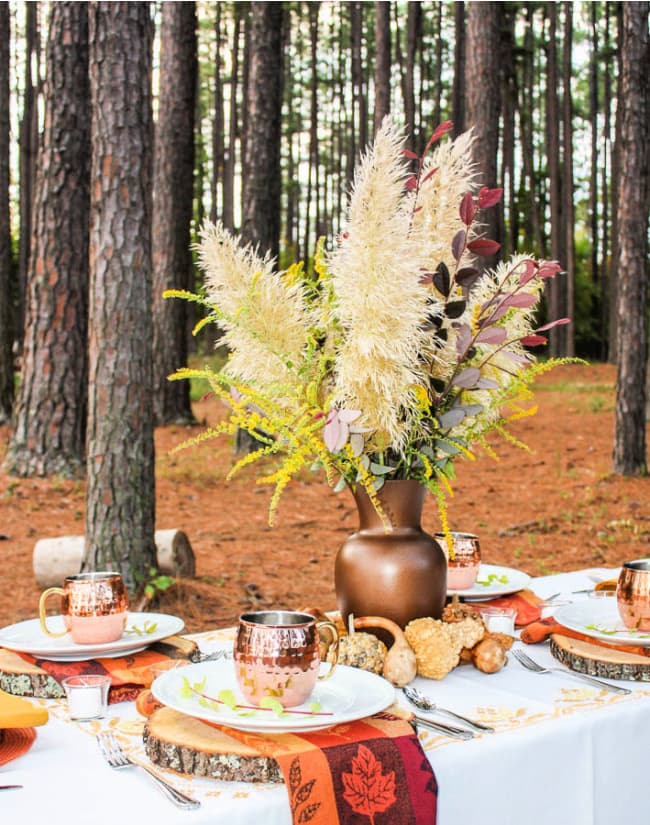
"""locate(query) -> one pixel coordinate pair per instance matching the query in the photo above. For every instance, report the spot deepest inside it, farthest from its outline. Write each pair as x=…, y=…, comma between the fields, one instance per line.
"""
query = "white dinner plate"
x=348, y=695
x=600, y=619
x=492, y=581
x=27, y=637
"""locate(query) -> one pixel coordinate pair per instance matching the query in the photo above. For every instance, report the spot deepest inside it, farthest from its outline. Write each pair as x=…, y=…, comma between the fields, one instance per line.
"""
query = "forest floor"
x=557, y=508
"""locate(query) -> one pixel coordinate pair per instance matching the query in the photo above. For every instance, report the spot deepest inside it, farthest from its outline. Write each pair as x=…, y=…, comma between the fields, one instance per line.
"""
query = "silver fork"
x=529, y=664
x=424, y=703
x=117, y=758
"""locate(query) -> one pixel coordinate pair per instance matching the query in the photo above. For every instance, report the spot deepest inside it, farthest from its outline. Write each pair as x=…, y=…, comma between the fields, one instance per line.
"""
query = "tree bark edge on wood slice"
x=594, y=660
x=188, y=745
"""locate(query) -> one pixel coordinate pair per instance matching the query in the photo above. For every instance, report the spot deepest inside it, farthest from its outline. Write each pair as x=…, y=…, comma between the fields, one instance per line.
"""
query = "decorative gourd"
x=400, y=666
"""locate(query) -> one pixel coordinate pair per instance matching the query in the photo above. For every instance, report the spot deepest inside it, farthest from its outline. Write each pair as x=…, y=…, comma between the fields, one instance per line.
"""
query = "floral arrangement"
x=401, y=353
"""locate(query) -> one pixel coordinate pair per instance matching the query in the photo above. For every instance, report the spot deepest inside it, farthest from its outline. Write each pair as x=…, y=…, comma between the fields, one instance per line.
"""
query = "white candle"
x=85, y=702
x=87, y=695
x=501, y=624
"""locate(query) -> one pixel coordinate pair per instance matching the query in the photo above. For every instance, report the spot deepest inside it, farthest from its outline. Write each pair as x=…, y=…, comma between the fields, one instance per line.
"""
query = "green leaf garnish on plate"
x=493, y=578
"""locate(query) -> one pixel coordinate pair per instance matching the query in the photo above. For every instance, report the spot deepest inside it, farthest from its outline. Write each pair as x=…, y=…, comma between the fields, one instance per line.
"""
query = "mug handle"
x=41, y=611
x=335, y=644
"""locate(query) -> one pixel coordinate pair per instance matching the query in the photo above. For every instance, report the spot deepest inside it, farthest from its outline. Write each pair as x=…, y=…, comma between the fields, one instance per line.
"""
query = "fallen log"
x=55, y=558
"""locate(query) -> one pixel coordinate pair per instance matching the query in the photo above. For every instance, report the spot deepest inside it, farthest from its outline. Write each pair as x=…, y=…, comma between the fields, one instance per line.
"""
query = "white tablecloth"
x=562, y=753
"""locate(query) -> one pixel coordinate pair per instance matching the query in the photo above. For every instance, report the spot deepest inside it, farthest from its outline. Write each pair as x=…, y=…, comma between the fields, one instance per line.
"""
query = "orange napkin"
x=525, y=602
x=129, y=674
x=15, y=742
x=352, y=773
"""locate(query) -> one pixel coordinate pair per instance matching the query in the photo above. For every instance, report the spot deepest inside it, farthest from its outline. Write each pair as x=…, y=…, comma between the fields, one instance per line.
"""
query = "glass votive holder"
x=164, y=667
x=499, y=619
x=87, y=696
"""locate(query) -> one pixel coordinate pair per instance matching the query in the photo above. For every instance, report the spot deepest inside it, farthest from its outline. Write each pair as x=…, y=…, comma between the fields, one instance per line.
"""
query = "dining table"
x=562, y=752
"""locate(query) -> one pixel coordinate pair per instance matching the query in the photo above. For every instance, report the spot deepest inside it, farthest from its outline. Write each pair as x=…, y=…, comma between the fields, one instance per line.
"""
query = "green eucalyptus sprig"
x=226, y=698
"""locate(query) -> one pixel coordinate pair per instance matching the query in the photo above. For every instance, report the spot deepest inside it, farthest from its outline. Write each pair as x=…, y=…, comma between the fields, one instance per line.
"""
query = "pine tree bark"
x=535, y=234
x=605, y=188
x=230, y=153
x=630, y=440
x=458, y=88
x=612, y=331
x=218, y=120
x=413, y=28
x=172, y=207
x=50, y=416
x=382, y=62
x=568, y=211
x=28, y=143
x=483, y=98
x=262, y=182
x=360, y=110
x=120, y=491
x=312, y=170
x=6, y=333
x=593, y=122
x=554, y=294
x=509, y=102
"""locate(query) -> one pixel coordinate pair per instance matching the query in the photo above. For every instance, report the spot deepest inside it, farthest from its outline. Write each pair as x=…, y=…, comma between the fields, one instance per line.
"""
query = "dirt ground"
x=556, y=508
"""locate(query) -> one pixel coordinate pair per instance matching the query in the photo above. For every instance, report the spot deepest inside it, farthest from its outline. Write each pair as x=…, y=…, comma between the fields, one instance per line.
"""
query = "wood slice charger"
x=595, y=660
x=188, y=745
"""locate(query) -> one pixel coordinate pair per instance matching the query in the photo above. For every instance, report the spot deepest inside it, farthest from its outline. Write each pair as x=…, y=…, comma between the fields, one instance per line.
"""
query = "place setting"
x=94, y=637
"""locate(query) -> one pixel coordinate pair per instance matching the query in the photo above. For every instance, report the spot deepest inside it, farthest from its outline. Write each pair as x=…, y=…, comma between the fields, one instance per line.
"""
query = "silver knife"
x=440, y=727
x=9, y=787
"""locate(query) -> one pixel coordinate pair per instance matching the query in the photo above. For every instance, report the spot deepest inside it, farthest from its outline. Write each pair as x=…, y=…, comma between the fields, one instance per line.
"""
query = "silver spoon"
x=424, y=703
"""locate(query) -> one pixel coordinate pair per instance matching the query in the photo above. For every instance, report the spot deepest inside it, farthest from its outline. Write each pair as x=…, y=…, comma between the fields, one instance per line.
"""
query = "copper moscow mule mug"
x=277, y=654
x=94, y=608
x=633, y=594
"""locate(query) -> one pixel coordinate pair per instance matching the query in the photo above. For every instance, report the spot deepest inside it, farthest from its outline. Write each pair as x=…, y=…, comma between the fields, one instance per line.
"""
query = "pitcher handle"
x=41, y=611
x=335, y=646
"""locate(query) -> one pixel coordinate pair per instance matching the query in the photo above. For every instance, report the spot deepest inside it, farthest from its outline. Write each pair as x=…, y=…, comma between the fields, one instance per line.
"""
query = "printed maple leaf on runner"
x=367, y=790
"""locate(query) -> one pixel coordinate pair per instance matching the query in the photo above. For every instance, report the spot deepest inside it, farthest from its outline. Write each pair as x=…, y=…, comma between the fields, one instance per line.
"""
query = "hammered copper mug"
x=633, y=594
x=94, y=608
x=277, y=654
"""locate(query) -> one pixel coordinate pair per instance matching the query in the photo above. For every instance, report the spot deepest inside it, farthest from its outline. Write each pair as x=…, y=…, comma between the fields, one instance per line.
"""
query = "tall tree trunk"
x=568, y=212
x=312, y=170
x=606, y=268
x=554, y=294
x=458, y=88
x=483, y=99
x=172, y=207
x=262, y=183
x=616, y=169
x=217, y=121
x=230, y=153
x=509, y=100
x=120, y=489
x=413, y=27
x=630, y=441
x=50, y=417
x=382, y=62
x=6, y=355
x=28, y=141
x=437, y=102
x=533, y=214
x=245, y=107
x=360, y=112
x=593, y=120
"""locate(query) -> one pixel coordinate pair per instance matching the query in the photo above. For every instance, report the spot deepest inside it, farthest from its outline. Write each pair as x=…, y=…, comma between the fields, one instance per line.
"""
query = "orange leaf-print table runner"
x=129, y=674
x=372, y=771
